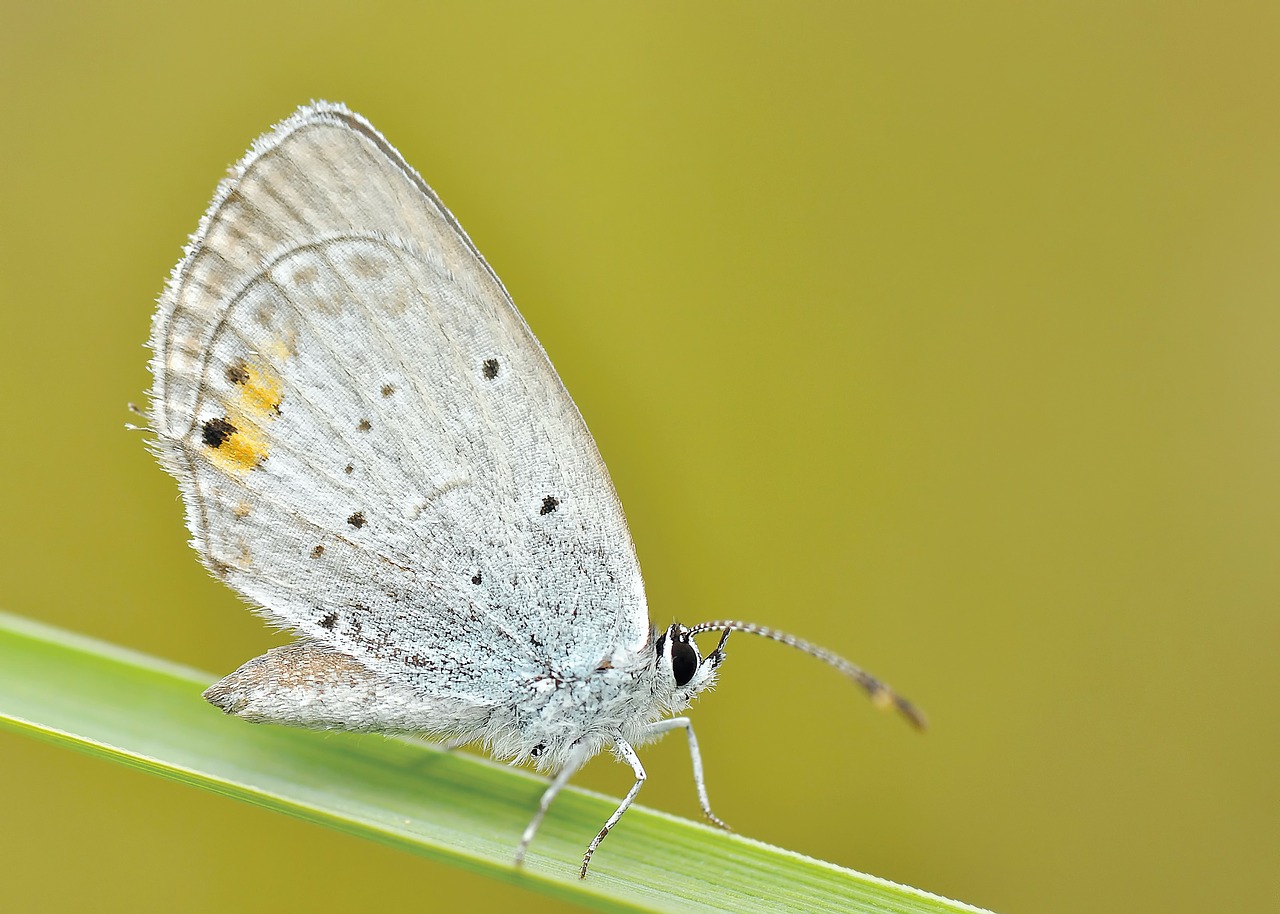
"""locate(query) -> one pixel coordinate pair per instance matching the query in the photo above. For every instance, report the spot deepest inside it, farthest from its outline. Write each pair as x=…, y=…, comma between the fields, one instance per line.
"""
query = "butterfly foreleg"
x=661, y=727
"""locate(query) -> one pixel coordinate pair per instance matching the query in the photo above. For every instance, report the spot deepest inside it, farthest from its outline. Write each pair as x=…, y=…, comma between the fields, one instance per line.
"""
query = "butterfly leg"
x=628, y=755
x=575, y=762
x=663, y=726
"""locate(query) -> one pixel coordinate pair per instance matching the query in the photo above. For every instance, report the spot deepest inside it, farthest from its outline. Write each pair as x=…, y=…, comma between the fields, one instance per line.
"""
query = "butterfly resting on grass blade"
x=374, y=450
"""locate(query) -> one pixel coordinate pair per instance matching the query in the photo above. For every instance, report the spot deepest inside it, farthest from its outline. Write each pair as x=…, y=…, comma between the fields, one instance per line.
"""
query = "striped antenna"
x=880, y=694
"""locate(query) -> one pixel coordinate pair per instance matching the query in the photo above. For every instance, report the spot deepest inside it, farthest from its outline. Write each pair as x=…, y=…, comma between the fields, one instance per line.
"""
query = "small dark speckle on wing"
x=357, y=520
x=489, y=369
x=549, y=504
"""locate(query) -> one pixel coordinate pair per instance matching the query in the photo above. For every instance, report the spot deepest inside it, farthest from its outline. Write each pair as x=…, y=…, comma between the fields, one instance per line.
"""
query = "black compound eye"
x=684, y=660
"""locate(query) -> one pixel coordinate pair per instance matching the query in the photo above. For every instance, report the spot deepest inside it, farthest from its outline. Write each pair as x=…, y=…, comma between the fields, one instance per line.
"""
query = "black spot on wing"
x=364, y=425
x=237, y=373
x=329, y=621
x=489, y=369
x=215, y=432
x=387, y=390
x=549, y=504
x=317, y=552
x=347, y=469
x=475, y=578
x=357, y=520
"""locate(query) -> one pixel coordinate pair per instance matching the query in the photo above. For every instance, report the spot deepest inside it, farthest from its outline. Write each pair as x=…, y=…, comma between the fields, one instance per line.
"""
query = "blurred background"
x=946, y=337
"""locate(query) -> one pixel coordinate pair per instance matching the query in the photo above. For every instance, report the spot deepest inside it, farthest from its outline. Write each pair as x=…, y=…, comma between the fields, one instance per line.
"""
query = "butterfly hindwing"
x=371, y=445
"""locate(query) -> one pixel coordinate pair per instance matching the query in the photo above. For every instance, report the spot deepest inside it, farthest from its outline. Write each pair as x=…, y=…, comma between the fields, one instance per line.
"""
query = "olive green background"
x=947, y=335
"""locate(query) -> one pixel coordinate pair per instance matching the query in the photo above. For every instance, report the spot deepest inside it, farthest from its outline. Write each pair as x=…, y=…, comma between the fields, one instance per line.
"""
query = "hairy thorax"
x=564, y=709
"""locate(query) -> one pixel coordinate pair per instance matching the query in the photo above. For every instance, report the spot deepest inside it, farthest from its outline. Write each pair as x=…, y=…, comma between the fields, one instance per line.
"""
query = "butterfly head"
x=681, y=665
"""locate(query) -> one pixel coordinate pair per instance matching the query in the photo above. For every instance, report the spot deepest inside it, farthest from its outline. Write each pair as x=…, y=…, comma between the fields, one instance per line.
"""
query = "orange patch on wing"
x=241, y=442
x=260, y=394
x=239, y=452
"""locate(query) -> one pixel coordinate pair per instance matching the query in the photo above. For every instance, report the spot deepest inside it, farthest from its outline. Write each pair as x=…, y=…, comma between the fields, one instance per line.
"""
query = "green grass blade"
x=452, y=807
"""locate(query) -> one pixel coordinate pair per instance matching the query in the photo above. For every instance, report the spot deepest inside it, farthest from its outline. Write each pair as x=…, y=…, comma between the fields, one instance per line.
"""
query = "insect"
x=375, y=452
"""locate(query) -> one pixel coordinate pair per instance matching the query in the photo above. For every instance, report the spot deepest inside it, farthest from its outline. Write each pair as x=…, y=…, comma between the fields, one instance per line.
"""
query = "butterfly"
x=375, y=452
